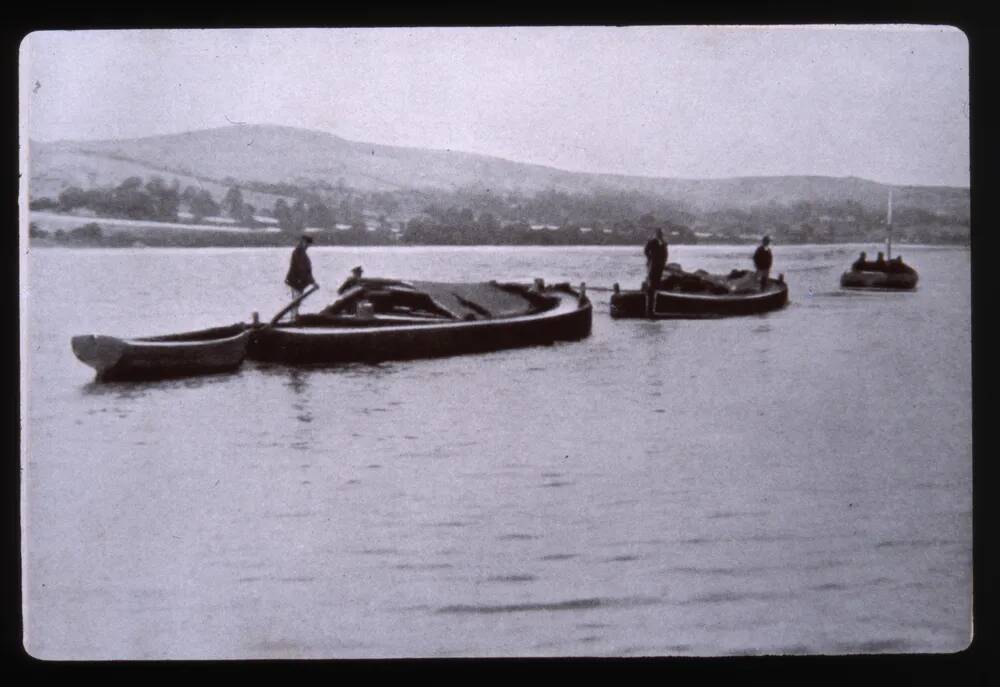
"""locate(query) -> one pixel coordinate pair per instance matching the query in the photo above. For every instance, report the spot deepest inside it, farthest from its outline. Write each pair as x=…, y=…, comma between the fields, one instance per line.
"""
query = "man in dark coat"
x=656, y=260
x=762, y=260
x=300, y=271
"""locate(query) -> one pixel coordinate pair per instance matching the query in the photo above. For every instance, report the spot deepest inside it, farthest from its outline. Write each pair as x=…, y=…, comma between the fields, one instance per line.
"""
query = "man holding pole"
x=300, y=271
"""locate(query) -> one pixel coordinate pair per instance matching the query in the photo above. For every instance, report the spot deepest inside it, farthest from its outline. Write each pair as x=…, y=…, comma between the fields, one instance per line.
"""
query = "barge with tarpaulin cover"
x=387, y=319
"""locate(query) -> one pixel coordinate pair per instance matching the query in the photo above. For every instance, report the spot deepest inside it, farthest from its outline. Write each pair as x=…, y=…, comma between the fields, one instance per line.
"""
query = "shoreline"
x=625, y=248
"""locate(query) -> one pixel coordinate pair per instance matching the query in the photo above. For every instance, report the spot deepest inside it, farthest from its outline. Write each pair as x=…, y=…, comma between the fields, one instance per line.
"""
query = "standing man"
x=300, y=271
x=762, y=260
x=656, y=260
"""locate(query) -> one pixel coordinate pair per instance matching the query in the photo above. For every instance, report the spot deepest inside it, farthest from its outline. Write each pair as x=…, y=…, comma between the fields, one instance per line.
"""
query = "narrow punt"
x=207, y=351
x=379, y=319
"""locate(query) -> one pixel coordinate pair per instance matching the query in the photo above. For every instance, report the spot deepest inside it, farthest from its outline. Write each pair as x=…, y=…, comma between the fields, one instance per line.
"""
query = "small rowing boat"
x=903, y=280
x=882, y=275
x=207, y=351
x=386, y=319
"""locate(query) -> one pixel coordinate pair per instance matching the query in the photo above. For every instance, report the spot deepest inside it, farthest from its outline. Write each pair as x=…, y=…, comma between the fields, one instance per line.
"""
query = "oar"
x=309, y=292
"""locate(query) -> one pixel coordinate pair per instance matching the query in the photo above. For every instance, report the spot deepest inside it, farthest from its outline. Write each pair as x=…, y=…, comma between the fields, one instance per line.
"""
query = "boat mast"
x=889, y=222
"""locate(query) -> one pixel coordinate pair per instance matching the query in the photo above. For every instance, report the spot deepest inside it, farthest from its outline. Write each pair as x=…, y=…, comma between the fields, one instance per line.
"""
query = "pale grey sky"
x=884, y=103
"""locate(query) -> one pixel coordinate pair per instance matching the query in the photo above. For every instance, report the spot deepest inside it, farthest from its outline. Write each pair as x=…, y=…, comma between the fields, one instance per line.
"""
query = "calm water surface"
x=798, y=482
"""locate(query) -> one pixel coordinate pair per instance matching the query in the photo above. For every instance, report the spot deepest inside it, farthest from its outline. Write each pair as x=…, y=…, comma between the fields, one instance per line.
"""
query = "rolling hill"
x=213, y=158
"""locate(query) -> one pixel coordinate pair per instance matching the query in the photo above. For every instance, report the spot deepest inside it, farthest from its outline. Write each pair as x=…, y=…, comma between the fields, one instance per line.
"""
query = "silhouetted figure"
x=880, y=262
x=352, y=280
x=860, y=263
x=300, y=271
x=762, y=260
x=897, y=266
x=656, y=259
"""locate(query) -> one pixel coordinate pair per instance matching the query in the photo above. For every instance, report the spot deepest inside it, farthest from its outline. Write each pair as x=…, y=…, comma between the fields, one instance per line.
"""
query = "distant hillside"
x=216, y=158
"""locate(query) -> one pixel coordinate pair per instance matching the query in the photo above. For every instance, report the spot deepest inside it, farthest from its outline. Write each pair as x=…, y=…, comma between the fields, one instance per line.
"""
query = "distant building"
x=219, y=220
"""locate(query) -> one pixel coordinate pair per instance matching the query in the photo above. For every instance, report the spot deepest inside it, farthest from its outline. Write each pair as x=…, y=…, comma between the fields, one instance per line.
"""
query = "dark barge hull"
x=879, y=281
x=404, y=339
x=207, y=351
x=677, y=305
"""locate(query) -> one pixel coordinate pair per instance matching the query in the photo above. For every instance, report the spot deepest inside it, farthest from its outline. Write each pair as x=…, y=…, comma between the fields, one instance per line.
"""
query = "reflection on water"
x=129, y=390
x=796, y=482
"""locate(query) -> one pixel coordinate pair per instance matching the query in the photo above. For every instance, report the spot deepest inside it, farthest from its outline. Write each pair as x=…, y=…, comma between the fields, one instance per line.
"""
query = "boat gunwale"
x=715, y=298
x=566, y=306
x=153, y=342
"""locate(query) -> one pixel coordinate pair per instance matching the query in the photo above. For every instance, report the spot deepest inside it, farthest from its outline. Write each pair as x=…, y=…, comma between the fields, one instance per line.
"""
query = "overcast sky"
x=888, y=103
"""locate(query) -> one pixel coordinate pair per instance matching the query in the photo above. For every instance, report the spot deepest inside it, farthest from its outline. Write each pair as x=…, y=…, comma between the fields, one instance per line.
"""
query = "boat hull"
x=569, y=320
x=882, y=281
x=179, y=355
x=677, y=305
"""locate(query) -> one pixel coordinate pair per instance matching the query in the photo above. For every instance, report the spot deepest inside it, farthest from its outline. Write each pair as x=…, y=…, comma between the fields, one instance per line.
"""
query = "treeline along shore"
x=155, y=212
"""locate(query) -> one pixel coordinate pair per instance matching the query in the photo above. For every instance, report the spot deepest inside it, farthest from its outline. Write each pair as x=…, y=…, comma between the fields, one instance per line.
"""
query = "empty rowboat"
x=384, y=319
x=221, y=349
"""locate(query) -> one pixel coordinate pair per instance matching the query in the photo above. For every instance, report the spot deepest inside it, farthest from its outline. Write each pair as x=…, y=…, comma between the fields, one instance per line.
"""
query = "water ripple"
x=732, y=597
x=736, y=514
x=877, y=646
x=570, y=605
x=511, y=578
x=912, y=542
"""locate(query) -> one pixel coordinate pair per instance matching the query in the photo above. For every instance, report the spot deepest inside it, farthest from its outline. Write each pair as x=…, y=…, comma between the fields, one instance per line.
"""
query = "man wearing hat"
x=351, y=280
x=300, y=271
x=656, y=259
x=762, y=260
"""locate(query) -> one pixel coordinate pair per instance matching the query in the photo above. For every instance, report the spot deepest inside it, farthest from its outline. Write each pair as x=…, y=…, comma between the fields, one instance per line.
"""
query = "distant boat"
x=701, y=295
x=386, y=319
x=903, y=280
x=221, y=349
x=889, y=275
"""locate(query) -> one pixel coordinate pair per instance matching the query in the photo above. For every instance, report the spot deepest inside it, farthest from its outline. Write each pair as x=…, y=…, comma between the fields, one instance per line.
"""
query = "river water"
x=798, y=482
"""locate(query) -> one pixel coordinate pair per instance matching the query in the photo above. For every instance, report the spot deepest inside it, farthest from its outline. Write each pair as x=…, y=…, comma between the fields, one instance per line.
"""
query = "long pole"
x=274, y=320
x=890, y=225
